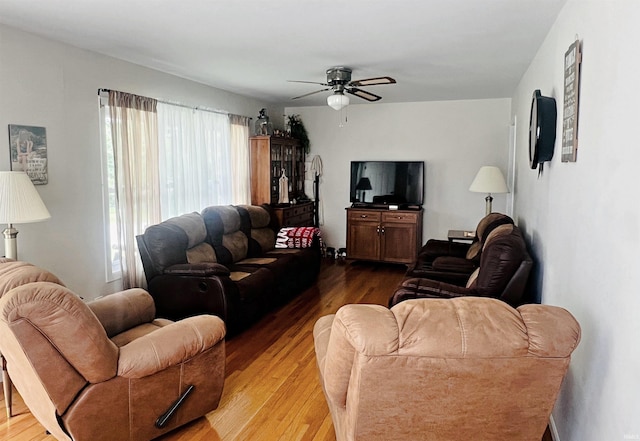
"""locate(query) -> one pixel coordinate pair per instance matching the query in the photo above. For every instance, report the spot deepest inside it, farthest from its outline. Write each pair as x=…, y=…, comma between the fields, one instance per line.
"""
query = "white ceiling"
x=435, y=49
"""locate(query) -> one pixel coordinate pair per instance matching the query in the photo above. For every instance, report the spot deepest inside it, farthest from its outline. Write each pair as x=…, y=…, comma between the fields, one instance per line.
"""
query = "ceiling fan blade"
x=310, y=93
x=373, y=81
x=363, y=94
x=307, y=82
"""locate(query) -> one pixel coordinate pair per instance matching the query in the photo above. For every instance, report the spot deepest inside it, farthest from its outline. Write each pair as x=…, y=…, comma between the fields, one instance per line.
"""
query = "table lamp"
x=489, y=180
x=20, y=203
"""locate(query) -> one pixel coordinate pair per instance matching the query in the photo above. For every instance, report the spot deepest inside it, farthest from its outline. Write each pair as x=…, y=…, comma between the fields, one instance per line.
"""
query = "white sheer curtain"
x=134, y=136
x=240, y=160
x=195, y=159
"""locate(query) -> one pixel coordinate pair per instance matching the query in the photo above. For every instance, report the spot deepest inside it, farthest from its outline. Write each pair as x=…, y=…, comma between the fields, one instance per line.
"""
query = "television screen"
x=387, y=183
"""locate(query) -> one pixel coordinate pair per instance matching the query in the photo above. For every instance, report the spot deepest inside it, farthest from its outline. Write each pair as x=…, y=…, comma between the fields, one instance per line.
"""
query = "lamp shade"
x=489, y=180
x=337, y=101
x=20, y=202
x=364, y=184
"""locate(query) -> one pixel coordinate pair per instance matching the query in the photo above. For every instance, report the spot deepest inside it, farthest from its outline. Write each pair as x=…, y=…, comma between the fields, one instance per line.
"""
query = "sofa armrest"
x=419, y=288
x=170, y=346
x=123, y=310
x=197, y=269
x=183, y=294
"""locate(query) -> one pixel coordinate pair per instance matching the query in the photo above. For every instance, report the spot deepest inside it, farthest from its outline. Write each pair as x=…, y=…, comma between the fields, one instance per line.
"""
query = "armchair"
x=443, y=370
x=454, y=262
x=503, y=273
x=109, y=370
x=15, y=273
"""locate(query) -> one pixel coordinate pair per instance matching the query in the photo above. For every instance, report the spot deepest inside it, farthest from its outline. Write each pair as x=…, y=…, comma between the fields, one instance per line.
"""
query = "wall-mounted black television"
x=383, y=183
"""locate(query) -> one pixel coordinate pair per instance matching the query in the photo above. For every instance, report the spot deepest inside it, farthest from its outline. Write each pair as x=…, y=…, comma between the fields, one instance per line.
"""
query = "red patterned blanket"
x=297, y=237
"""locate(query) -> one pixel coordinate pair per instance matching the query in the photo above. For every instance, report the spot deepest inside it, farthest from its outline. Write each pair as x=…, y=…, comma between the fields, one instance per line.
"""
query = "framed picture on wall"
x=28, y=151
x=572, y=61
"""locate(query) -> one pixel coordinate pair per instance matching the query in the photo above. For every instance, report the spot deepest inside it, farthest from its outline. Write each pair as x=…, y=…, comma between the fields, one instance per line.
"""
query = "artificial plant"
x=298, y=131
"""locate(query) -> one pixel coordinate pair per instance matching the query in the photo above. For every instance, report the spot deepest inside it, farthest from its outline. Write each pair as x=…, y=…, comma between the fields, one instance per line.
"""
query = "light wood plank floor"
x=271, y=391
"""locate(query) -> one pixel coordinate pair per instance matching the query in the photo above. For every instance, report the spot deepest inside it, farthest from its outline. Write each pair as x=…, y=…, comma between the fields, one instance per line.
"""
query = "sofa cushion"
x=265, y=238
x=256, y=224
x=453, y=264
x=166, y=244
x=193, y=226
x=471, y=283
x=486, y=225
x=201, y=253
x=503, y=252
x=223, y=224
x=259, y=216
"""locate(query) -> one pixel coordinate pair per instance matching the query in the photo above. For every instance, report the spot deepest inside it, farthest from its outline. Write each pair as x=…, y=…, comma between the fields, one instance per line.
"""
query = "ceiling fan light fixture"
x=337, y=101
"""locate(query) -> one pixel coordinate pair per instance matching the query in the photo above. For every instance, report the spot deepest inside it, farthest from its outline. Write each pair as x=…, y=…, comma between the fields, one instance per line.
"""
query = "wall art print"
x=572, y=62
x=28, y=150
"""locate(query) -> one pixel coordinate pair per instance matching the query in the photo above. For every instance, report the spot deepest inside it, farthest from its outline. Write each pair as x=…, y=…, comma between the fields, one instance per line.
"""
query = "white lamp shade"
x=489, y=180
x=337, y=101
x=20, y=202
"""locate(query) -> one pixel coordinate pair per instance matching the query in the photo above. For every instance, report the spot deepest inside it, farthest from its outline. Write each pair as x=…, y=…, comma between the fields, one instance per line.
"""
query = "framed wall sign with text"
x=572, y=60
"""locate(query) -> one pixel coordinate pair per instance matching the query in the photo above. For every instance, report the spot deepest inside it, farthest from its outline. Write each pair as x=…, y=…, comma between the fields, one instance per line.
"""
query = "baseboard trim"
x=553, y=429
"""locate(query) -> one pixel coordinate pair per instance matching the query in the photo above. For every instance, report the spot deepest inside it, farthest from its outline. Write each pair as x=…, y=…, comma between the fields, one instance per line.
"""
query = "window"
x=200, y=162
x=113, y=267
x=195, y=159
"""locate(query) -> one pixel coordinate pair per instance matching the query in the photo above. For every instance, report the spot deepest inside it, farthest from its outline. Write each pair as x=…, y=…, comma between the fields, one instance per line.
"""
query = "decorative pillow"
x=297, y=237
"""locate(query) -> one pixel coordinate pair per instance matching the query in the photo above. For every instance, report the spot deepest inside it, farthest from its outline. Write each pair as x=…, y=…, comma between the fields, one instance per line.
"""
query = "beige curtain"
x=134, y=131
x=240, y=160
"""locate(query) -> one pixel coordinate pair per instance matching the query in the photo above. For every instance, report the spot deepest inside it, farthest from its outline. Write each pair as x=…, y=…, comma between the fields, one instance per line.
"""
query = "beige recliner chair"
x=431, y=369
x=108, y=370
x=15, y=273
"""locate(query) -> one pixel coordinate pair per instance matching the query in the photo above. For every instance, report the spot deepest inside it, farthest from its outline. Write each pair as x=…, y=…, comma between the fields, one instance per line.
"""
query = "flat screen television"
x=382, y=183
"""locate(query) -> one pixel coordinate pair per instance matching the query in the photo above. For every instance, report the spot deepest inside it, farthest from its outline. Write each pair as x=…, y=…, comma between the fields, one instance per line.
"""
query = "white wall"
x=47, y=84
x=583, y=218
x=454, y=138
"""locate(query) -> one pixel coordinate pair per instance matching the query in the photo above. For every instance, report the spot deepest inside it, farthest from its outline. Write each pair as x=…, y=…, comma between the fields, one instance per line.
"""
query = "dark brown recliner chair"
x=453, y=262
x=504, y=270
x=108, y=370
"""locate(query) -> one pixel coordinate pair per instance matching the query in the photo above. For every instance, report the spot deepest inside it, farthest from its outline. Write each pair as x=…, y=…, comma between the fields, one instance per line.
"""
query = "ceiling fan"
x=339, y=81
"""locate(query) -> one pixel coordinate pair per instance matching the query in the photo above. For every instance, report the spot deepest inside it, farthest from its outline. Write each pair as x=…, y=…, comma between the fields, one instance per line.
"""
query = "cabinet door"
x=363, y=234
x=398, y=237
x=398, y=243
x=276, y=171
x=364, y=240
x=299, y=172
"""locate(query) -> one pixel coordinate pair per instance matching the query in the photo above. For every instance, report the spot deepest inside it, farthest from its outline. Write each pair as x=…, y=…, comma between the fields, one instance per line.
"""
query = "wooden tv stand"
x=383, y=235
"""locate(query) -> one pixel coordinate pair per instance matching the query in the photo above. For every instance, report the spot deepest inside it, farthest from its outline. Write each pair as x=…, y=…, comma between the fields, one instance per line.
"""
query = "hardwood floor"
x=271, y=391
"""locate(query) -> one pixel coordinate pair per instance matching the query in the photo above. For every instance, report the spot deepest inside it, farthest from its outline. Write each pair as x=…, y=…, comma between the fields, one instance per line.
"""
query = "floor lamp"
x=20, y=203
x=489, y=180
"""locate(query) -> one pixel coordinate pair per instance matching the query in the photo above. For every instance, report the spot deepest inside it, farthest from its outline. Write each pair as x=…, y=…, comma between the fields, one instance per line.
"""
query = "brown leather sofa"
x=108, y=370
x=503, y=273
x=223, y=261
x=453, y=262
x=443, y=370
